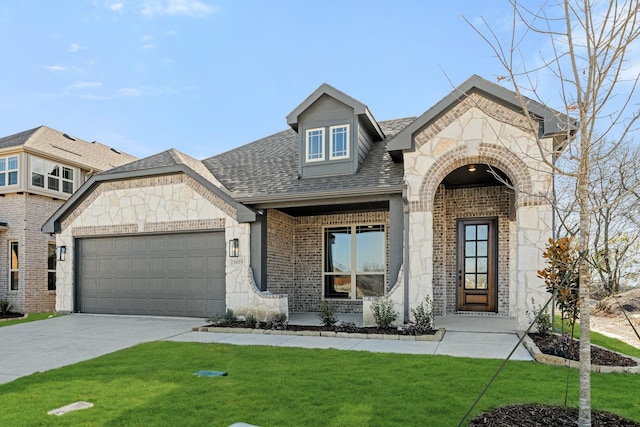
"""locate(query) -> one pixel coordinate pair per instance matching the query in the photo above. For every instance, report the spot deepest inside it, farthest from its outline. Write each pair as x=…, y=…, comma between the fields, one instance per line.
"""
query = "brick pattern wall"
x=297, y=242
x=25, y=214
x=450, y=205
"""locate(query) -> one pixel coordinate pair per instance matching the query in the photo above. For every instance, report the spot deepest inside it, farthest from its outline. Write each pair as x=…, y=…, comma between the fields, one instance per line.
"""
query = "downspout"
x=405, y=248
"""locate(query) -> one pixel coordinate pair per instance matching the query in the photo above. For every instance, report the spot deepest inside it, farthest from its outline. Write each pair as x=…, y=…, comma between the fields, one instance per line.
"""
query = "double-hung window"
x=8, y=171
x=315, y=145
x=354, y=261
x=14, y=266
x=51, y=266
x=339, y=142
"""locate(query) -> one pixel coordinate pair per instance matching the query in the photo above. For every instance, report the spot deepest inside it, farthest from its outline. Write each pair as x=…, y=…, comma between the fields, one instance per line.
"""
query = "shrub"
x=383, y=313
x=223, y=319
x=250, y=320
x=229, y=316
x=5, y=306
x=278, y=322
x=349, y=327
x=423, y=317
x=541, y=319
x=326, y=314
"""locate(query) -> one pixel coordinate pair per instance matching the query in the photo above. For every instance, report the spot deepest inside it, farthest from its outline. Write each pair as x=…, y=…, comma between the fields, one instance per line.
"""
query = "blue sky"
x=205, y=76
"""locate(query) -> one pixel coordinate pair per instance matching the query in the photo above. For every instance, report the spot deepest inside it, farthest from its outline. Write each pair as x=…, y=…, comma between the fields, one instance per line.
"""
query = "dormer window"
x=52, y=176
x=315, y=145
x=339, y=142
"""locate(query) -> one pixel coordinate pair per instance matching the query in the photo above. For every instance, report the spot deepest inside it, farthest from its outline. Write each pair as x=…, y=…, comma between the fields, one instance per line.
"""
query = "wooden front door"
x=477, y=254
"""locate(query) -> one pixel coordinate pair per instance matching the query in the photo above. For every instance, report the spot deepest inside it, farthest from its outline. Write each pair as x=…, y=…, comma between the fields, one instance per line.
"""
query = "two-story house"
x=39, y=169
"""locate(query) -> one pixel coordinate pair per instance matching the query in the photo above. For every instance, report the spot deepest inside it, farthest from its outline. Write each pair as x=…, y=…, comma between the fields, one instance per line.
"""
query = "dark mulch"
x=10, y=315
x=555, y=345
x=543, y=416
x=342, y=327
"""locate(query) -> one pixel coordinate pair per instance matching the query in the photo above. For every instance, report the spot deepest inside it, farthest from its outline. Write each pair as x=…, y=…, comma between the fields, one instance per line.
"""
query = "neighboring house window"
x=52, y=176
x=339, y=142
x=354, y=261
x=13, y=266
x=315, y=145
x=8, y=171
x=51, y=267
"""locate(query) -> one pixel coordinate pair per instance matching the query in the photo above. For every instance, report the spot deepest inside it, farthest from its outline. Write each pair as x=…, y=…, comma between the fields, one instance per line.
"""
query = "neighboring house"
x=39, y=169
x=340, y=207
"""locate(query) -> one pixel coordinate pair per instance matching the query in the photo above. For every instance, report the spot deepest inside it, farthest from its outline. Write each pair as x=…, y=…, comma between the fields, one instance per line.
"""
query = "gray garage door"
x=167, y=275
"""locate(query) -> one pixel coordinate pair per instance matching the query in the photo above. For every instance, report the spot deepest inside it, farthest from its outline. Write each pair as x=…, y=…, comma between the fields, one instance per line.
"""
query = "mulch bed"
x=10, y=315
x=342, y=327
x=543, y=416
x=554, y=345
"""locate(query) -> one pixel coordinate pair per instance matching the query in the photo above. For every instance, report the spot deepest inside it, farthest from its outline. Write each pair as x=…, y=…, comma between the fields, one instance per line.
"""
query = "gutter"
x=327, y=194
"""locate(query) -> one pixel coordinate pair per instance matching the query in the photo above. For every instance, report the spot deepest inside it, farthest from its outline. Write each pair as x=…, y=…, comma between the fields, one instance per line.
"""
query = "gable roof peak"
x=359, y=108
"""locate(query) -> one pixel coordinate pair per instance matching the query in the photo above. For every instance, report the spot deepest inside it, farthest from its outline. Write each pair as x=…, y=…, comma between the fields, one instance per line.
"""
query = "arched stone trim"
x=490, y=154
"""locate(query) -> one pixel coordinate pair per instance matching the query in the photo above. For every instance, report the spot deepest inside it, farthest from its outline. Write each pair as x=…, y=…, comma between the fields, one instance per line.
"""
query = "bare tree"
x=584, y=57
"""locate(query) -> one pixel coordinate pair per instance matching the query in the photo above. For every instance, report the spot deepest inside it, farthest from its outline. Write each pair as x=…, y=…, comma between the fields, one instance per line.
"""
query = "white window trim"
x=48, y=164
x=306, y=145
x=8, y=170
x=354, y=273
x=331, y=156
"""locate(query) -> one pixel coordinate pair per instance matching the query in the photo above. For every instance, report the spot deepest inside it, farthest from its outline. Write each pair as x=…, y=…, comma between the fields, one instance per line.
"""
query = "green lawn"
x=599, y=339
x=31, y=318
x=153, y=384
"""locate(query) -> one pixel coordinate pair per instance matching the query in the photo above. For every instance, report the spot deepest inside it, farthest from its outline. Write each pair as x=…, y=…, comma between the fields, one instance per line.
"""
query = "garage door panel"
x=173, y=274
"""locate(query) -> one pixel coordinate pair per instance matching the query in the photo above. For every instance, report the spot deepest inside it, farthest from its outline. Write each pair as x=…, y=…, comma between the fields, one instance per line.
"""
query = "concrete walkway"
x=48, y=344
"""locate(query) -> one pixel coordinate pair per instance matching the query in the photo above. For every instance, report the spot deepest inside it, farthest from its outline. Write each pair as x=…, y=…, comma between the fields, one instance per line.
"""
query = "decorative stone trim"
x=187, y=225
x=559, y=361
x=489, y=107
x=224, y=330
x=99, y=230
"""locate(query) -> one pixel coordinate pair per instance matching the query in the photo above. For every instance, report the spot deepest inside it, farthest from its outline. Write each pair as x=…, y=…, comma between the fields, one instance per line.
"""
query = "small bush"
x=349, y=327
x=423, y=317
x=541, y=319
x=230, y=316
x=278, y=322
x=5, y=306
x=250, y=320
x=326, y=314
x=223, y=319
x=383, y=313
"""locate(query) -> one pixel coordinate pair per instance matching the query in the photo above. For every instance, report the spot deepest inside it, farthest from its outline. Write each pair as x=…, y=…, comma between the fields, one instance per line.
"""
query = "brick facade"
x=25, y=213
x=295, y=256
x=449, y=206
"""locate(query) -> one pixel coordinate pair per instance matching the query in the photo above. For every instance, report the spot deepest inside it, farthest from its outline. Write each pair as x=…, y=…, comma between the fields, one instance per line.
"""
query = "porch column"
x=420, y=257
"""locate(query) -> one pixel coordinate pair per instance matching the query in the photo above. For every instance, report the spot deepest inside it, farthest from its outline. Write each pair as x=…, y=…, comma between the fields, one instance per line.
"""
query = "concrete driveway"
x=47, y=344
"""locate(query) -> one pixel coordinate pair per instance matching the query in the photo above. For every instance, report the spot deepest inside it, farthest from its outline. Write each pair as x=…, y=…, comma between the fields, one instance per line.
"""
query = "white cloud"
x=177, y=7
x=74, y=47
x=129, y=92
x=54, y=68
x=115, y=6
x=85, y=85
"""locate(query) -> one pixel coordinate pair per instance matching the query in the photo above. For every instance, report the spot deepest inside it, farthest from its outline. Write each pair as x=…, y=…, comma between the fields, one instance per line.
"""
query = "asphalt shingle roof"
x=269, y=167
x=57, y=145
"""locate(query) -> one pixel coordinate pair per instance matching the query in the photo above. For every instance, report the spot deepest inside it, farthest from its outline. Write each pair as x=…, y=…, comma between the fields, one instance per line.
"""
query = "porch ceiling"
x=463, y=177
x=373, y=206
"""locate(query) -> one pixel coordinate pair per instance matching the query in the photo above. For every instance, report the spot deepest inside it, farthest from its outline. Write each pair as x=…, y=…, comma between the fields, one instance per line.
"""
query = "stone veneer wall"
x=25, y=214
x=302, y=239
x=450, y=205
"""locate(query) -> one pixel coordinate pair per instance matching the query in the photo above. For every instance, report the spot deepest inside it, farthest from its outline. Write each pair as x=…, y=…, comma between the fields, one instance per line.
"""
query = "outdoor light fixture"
x=472, y=168
x=234, y=248
x=61, y=252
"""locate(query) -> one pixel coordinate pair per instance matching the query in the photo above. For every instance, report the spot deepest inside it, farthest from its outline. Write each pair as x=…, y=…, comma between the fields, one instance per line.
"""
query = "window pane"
x=370, y=248
x=470, y=249
x=54, y=170
x=54, y=184
x=3, y=165
x=469, y=281
x=37, y=180
x=470, y=265
x=482, y=265
x=14, y=280
x=483, y=232
x=13, y=163
x=482, y=281
x=315, y=144
x=37, y=165
x=15, y=264
x=2, y=180
x=67, y=173
x=337, y=250
x=339, y=142
x=51, y=281
x=13, y=178
x=67, y=187
x=369, y=285
x=51, y=256
x=470, y=232
x=482, y=248
x=337, y=286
